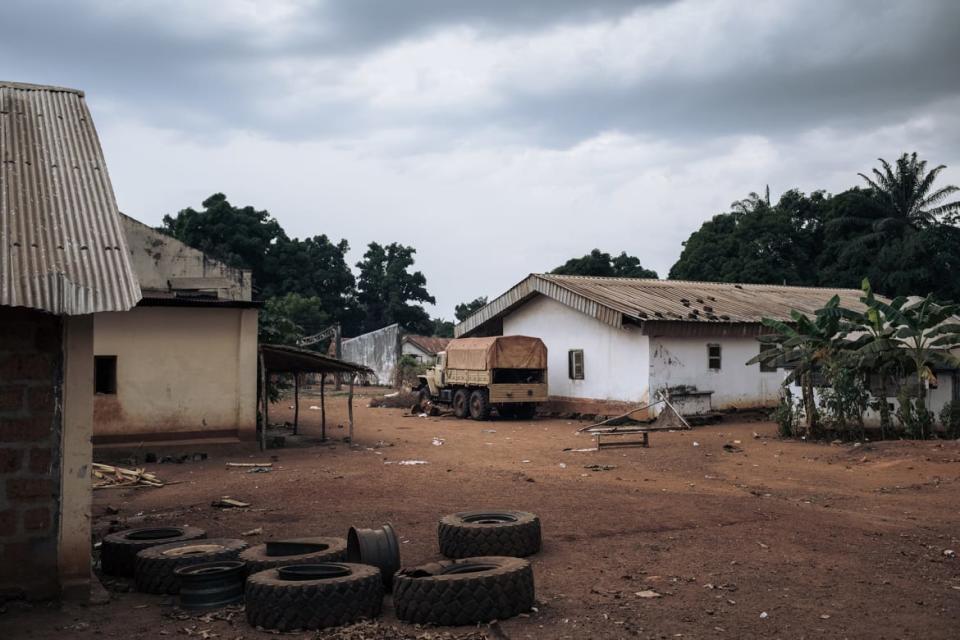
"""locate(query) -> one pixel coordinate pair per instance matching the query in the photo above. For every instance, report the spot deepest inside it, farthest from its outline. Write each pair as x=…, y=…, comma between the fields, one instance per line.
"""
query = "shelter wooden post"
x=296, y=402
x=265, y=401
x=323, y=409
x=350, y=408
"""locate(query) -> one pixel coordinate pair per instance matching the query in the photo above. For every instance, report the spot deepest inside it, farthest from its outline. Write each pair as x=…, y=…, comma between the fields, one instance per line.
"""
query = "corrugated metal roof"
x=62, y=248
x=430, y=344
x=611, y=300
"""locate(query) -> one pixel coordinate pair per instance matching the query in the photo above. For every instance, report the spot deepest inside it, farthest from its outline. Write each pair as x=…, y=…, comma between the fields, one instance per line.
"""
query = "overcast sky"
x=498, y=137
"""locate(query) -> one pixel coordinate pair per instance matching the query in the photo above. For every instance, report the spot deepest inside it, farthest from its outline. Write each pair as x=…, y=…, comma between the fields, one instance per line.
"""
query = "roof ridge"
x=28, y=86
x=695, y=282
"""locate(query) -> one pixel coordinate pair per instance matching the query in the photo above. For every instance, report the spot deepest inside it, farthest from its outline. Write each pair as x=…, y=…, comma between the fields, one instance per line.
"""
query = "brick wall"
x=31, y=357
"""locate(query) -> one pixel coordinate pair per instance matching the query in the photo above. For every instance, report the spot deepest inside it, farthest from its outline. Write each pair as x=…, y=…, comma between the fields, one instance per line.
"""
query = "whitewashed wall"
x=683, y=361
x=616, y=361
x=410, y=349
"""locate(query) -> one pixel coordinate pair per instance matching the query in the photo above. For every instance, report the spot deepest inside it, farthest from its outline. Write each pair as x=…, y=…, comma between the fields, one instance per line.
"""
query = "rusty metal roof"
x=429, y=344
x=614, y=301
x=279, y=358
x=62, y=248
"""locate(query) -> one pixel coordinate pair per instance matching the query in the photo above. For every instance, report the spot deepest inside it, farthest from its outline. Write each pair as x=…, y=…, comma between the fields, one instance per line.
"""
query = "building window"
x=764, y=366
x=105, y=375
x=713, y=357
x=575, y=364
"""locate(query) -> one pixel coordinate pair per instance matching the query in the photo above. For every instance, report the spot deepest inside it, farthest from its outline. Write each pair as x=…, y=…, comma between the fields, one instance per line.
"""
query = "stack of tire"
x=486, y=578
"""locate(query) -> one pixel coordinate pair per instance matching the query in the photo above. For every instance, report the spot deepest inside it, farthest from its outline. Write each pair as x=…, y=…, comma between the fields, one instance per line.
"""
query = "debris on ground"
x=253, y=532
x=580, y=450
x=600, y=467
x=226, y=502
x=648, y=594
x=249, y=464
x=259, y=470
x=396, y=400
x=406, y=463
x=106, y=475
x=374, y=630
x=438, y=441
x=314, y=407
x=732, y=448
x=488, y=430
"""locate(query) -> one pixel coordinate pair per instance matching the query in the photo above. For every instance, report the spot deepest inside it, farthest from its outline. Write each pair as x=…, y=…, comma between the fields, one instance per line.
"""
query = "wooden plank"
x=265, y=401
x=323, y=409
x=296, y=402
x=350, y=408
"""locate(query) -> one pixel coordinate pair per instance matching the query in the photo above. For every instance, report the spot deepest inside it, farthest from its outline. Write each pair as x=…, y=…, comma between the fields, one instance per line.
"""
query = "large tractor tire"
x=461, y=403
x=460, y=592
x=118, y=552
x=313, y=596
x=281, y=553
x=489, y=533
x=155, y=566
x=479, y=405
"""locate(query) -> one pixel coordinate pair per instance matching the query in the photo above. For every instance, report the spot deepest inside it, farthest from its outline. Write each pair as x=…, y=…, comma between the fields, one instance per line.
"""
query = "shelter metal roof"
x=62, y=248
x=618, y=300
x=278, y=358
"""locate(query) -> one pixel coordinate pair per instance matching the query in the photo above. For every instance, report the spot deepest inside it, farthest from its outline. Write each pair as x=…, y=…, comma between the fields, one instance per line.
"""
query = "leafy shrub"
x=950, y=419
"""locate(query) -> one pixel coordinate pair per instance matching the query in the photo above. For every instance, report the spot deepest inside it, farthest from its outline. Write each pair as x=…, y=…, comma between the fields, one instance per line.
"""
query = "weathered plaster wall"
x=31, y=427
x=683, y=361
x=182, y=373
x=158, y=257
x=616, y=361
x=378, y=350
x=410, y=349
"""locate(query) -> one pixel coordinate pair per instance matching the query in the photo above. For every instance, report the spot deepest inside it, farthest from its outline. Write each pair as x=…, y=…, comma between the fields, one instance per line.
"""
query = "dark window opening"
x=575, y=364
x=713, y=357
x=517, y=376
x=767, y=366
x=105, y=374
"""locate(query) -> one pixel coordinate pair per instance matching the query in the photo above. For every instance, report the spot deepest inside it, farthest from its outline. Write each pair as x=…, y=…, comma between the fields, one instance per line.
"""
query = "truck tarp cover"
x=498, y=352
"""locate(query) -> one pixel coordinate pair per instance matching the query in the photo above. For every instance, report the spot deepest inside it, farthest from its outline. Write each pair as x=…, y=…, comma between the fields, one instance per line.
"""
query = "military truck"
x=477, y=375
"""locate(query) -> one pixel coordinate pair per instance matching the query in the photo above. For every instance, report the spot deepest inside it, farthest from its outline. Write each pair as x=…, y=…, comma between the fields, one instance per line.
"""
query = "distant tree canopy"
x=597, y=263
x=898, y=231
x=466, y=309
x=307, y=284
x=386, y=289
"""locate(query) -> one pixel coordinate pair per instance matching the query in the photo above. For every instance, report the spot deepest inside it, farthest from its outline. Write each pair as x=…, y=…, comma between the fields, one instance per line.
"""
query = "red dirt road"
x=780, y=539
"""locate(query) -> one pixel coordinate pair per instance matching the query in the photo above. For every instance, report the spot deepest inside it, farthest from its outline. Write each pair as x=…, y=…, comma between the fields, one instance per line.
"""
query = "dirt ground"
x=768, y=538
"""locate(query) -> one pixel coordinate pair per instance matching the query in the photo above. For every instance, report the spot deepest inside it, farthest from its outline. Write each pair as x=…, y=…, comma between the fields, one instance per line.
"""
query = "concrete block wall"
x=31, y=357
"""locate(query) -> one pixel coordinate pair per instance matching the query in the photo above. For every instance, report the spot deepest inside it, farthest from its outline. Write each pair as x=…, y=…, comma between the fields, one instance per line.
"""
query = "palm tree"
x=905, y=197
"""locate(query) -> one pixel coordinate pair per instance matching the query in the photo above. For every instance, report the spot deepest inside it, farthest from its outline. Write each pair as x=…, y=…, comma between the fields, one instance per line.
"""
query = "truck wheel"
x=462, y=592
x=479, y=405
x=118, y=553
x=154, y=570
x=489, y=533
x=461, y=403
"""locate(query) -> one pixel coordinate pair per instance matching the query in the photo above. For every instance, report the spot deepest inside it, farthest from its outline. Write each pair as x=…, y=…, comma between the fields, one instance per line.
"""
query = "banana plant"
x=803, y=345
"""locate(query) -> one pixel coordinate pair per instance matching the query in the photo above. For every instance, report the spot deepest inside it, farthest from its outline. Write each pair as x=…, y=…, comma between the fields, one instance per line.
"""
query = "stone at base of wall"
x=562, y=406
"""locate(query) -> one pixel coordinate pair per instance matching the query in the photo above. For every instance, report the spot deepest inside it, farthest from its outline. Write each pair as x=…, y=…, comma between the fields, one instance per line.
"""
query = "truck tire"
x=280, y=553
x=489, y=533
x=155, y=566
x=118, y=553
x=460, y=592
x=461, y=403
x=339, y=593
x=479, y=405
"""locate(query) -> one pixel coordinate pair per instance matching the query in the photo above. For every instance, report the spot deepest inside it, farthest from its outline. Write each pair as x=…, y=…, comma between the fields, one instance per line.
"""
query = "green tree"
x=239, y=236
x=387, y=289
x=465, y=309
x=598, y=263
x=442, y=328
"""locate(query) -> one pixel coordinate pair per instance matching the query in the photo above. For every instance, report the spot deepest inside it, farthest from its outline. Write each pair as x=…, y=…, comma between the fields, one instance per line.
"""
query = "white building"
x=181, y=366
x=614, y=342
x=423, y=349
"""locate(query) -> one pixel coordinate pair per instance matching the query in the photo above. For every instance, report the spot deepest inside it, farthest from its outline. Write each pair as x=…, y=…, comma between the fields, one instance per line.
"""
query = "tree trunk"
x=323, y=409
x=350, y=409
x=809, y=404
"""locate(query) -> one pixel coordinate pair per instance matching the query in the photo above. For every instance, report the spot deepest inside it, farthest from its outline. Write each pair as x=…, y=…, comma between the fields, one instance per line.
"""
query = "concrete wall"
x=182, y=374
x=678, y=361
x=616, y=361
x=158, y=257
x=378, y=350
x=31, y=427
